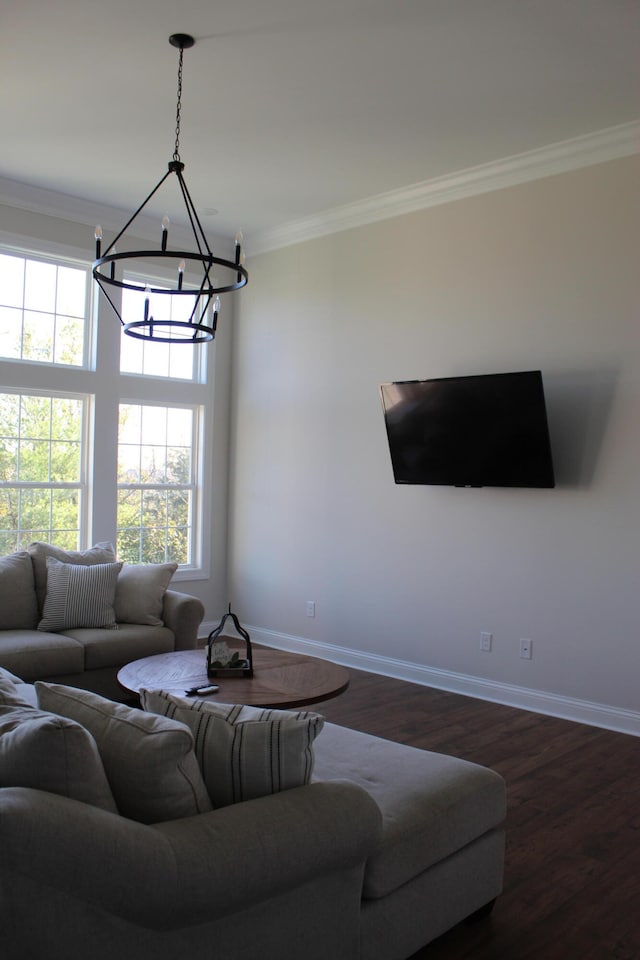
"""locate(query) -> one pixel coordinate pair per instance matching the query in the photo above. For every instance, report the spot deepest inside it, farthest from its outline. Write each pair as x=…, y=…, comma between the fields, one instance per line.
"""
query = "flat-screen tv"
x=474, y=431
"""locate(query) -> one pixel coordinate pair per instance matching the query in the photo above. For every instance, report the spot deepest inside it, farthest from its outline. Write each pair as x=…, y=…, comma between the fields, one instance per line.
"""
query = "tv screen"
x=477, y=431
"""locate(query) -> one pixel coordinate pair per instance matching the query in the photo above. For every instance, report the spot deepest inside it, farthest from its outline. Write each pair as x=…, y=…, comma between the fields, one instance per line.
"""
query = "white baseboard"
x=538, y=701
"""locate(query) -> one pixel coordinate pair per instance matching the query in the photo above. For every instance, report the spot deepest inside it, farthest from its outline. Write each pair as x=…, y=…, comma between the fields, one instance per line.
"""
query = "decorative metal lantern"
x=220, y=661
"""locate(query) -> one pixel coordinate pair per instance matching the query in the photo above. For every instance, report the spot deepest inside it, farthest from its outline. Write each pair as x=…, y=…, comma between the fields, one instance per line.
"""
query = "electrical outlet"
x=485, y=642
x=311, y=608
x=526, y=649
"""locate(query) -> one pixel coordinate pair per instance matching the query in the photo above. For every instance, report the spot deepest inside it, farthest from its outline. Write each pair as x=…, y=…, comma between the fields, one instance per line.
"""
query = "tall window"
x=93, y=447
x=42, y=476
x=156, y=483
x=42, y=310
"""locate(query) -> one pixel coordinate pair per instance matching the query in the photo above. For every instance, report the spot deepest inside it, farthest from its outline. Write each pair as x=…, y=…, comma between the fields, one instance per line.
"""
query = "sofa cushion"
x=140, y=592
x=18, y=606
x=79, y=595
x=34, y=654
x=432, y=805
x=149, y=760
x=51, y=753
x=243, y=752
x=114, y=648
x=102, y=552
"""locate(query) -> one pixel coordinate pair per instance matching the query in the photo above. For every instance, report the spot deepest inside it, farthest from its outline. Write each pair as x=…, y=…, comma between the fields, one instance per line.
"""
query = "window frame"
x=83, y=484
x=199, y=357
x=196, y=472
x=100, y=379
x=60, y=260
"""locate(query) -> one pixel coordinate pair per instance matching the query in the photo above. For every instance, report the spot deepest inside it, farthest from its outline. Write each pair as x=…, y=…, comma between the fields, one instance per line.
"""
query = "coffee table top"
x=280, y=679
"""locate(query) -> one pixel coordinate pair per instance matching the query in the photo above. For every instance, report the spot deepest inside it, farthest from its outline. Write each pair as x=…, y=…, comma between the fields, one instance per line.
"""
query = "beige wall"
x=539, y=276
x=542, y=275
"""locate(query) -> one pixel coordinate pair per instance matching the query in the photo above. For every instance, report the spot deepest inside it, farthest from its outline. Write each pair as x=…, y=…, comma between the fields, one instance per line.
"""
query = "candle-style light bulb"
x=238, y=246
x=98, y=235
x=181, y=268
x=165, y=231
x=147, y=293
x=216, y=311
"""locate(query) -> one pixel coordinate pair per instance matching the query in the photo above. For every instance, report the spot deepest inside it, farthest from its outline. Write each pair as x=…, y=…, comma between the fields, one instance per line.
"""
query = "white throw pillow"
x=149, y=760
x=140, y=592
x=79, y=596
x=243, y=752
x=51, y=753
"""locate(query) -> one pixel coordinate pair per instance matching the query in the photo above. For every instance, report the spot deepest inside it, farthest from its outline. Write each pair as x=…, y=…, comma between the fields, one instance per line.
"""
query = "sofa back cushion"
x=79, y=595
x=101, y=553
x=46, y=752
x=243, y=752
x=149, y=760
x=140, y=592
x=18, y=607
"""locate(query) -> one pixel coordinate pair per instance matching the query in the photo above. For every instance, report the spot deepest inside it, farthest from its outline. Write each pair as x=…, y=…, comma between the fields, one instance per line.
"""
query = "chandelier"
x=193, y=317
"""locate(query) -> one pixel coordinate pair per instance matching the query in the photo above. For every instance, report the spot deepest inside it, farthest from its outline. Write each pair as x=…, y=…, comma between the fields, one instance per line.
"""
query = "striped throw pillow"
x=243, y=752
x=102, y=552
x=79, y=595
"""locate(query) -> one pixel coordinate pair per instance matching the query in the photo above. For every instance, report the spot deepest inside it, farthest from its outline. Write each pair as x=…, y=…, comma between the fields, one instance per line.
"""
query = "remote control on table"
x=203, y=690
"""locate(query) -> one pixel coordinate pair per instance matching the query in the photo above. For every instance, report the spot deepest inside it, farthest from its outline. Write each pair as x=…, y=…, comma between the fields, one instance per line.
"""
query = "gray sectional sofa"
x=101, y=615
x=377, y=850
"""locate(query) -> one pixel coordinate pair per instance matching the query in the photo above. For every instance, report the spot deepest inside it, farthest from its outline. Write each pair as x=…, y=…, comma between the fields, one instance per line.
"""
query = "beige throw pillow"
x=140, y=592
x=149, y=760
x=79, y=596
x=18, y=607
x=243, y=752
x=46, y=752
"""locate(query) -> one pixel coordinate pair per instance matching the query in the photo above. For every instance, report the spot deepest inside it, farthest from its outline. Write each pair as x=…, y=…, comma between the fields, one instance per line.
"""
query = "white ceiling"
x=293, y=107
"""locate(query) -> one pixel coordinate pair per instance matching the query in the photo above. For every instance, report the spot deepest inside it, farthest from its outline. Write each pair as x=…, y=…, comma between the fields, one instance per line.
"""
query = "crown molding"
x=62, y=206
x=611, y=143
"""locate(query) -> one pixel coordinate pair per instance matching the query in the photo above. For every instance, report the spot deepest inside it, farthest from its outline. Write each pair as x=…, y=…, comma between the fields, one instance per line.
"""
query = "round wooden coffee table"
x=280, y=679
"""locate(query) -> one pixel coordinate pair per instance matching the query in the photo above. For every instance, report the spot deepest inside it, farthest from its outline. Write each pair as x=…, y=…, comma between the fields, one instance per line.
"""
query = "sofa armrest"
x=220, y=862
x=182, y=614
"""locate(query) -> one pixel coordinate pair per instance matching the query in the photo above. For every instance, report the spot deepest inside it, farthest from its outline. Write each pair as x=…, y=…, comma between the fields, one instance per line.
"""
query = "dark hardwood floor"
x=572, y=871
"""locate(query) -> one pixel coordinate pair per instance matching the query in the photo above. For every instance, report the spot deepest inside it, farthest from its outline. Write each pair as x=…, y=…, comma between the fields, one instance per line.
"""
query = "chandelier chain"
x=176, y=151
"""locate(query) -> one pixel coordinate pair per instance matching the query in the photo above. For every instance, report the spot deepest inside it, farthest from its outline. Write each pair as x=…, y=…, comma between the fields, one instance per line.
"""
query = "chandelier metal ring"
x=152, y=330
x=181, y=255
